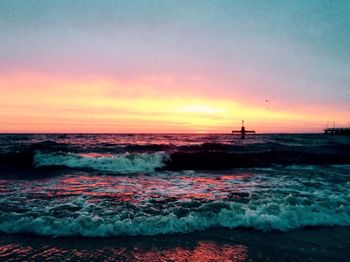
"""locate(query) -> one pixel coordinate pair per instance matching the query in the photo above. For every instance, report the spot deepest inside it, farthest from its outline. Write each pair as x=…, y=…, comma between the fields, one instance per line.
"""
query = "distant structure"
x=243, y=132
x=337, y=131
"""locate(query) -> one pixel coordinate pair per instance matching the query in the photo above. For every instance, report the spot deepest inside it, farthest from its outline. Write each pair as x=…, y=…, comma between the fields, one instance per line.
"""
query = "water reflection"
x=204, y=251
x=31, y=248
x=134, y=189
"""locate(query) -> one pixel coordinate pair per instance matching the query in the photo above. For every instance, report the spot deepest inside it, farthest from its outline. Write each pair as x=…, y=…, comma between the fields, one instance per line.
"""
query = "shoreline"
x=309, y=244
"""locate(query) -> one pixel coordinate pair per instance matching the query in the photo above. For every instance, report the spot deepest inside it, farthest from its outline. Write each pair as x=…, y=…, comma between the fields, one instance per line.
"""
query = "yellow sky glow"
x=37, y=103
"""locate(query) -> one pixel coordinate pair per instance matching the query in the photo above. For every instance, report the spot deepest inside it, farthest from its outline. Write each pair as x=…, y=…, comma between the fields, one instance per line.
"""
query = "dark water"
x=174, y=197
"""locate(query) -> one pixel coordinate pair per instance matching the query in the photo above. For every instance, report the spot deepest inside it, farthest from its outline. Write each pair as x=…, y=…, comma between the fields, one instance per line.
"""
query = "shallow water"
x=316, y=244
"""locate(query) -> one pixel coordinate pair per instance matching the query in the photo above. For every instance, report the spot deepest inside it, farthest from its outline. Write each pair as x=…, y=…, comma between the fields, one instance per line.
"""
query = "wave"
x=207, y=160
x=52, y=146
x=150, y=157
x=265, y=217
x=18, y=160
x=91, y=146
x=132, y=162
x=121, y=163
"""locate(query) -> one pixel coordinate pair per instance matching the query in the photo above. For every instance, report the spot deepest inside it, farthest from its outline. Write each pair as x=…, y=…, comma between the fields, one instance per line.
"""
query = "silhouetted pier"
x=337, y=131
x=243, y=132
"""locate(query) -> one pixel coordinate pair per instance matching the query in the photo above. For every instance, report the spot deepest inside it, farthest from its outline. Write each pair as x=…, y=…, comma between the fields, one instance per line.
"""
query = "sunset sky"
x=174, y=66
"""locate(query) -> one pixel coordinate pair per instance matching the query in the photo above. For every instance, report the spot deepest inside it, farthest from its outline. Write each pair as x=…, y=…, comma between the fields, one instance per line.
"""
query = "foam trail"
x=121, y=163
x=263, y=217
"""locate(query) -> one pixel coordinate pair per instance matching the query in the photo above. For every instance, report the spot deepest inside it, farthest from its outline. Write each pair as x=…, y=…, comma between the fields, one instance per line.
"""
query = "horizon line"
x=144, y=133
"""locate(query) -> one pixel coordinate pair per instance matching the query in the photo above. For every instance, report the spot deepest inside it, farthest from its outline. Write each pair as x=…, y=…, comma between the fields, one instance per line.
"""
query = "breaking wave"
x=265, y=217
x=121, y=163
x=131, y=162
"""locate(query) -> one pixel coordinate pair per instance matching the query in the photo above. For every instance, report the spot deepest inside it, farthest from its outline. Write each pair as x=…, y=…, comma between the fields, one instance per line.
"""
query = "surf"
x=119, y=163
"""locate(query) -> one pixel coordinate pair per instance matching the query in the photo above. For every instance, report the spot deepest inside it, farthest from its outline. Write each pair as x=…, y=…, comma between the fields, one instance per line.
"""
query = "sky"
x=174, y=66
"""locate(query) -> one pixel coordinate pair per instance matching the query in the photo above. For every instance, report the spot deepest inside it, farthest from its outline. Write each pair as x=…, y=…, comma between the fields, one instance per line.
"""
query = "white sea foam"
x=256, y=215
x=92, y=205
x=121, y=163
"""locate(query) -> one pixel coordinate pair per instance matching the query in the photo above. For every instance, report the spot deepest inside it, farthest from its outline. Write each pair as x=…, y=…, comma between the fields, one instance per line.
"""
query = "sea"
x=174, y=197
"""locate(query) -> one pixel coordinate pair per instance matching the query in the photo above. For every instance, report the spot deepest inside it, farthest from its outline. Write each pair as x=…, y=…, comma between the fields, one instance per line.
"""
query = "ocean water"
x=170, y=197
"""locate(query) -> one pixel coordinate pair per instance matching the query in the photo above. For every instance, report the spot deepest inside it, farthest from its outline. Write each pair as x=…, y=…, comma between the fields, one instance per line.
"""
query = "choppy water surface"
x=136, y=186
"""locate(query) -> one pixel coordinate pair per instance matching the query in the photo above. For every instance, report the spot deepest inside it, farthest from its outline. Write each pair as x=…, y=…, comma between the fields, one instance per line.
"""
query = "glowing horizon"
x=157, y=68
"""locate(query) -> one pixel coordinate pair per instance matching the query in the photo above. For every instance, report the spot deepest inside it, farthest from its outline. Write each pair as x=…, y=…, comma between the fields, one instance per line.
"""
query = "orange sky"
x=174, y=66
x=33, y=102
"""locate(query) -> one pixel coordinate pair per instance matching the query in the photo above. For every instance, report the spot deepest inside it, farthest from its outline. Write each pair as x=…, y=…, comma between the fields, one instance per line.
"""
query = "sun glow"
x=201, y=109
x=41, y=103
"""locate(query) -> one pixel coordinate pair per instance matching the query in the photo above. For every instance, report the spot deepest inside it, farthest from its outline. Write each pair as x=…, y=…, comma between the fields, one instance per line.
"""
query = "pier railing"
x=337, y=131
